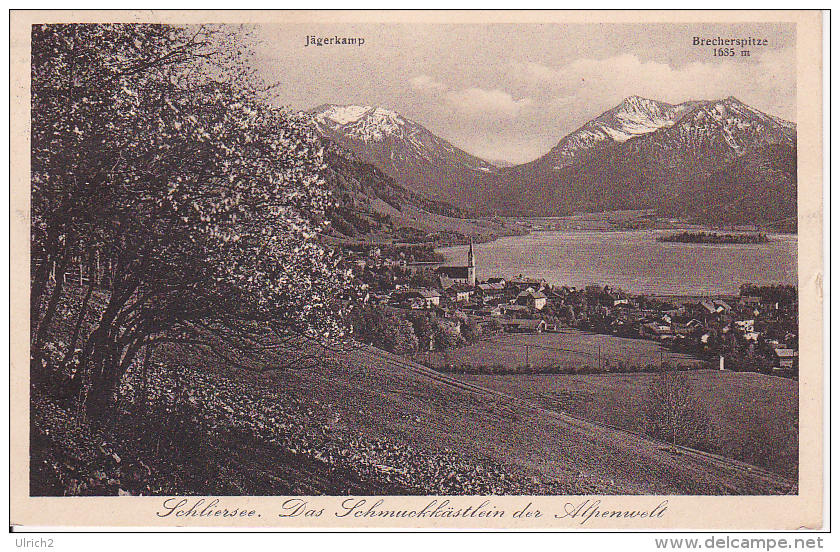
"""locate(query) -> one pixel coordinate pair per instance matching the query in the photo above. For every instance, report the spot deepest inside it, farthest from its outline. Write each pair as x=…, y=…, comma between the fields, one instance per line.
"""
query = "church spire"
x=471, y=266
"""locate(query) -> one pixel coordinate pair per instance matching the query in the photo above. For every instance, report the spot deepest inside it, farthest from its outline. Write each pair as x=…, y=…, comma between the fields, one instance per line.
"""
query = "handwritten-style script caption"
x=581, y=512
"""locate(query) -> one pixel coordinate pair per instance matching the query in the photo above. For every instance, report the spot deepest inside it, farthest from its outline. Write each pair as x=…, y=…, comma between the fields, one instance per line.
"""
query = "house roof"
x=708, y=306
x=534, y=294
x=446, y=282
x=422, y=292
x=457, y=290
x=658, y=328
x=526, y=281
x=785, y=353
x=523, y=323
x=459, y=272
x=494, y=286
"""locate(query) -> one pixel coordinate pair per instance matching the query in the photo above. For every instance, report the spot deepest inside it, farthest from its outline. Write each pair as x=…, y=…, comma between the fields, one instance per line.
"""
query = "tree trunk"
x=102, y=386
x=79, y=322
x=147, y=360
x=37, y=289
x=104, y=356
x=55, y=297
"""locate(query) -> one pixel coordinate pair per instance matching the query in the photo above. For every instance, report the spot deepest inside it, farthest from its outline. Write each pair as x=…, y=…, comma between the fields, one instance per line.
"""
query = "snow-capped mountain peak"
x=344, y=114
x=401, y=148
x=739, y=125
x=634, y=116
x=360, y=121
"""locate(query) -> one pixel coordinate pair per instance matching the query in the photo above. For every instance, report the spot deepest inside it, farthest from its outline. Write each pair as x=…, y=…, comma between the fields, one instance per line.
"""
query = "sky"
x=511, y=92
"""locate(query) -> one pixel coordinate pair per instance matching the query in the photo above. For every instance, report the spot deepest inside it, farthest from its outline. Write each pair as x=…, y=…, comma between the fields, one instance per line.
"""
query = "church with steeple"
x=461, y=274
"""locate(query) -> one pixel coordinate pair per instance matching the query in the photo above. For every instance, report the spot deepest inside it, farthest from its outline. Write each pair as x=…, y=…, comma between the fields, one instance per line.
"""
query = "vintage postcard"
x=525, y=270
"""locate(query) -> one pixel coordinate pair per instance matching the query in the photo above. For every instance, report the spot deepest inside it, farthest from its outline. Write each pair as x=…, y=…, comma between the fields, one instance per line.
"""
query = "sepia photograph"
x=368, y=269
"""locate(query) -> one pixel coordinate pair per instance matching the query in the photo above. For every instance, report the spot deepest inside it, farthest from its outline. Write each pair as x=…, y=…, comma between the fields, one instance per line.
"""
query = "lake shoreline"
x=634, y=260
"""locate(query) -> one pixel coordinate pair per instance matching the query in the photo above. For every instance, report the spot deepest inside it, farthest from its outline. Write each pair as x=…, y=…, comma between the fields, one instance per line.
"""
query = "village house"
x=533, y=299
x=379, y=298
x=708, y=308
x=657, y=330
x=687, y=328
x=521, y=325
x=514, y=310
x=423, y=298
x=496, y=300
x=494, y=289
x=522, y=284
x=614, y=298
x=722, y=306
x=711, y=312
x=785, y=358
x=494, y=310
x=457, y=294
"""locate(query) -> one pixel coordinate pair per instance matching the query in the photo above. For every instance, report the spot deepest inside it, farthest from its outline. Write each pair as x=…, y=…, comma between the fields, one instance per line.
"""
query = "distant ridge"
x=646, y=154
x=641, y=154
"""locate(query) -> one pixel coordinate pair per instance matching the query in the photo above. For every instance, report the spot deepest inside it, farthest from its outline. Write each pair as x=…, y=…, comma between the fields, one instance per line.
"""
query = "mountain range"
x=718, y=161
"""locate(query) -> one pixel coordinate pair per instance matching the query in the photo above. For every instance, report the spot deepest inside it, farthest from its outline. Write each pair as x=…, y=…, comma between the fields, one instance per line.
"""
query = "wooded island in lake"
x=711, y=237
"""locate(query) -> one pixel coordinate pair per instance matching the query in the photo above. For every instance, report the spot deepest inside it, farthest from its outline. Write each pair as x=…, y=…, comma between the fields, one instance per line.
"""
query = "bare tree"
x=674, y=414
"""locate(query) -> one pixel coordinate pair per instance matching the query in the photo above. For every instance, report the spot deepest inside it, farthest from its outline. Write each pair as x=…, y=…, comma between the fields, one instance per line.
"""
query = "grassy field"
x=755, y=416
x=568, y=348
x=360, y=422
x=378, y=398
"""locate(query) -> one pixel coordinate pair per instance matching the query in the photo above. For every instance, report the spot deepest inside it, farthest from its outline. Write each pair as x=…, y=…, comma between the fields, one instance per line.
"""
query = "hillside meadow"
x=755, y=417
x=568, y=348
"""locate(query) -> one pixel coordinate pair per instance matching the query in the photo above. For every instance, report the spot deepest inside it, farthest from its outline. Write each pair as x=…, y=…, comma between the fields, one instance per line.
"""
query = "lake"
x=634, y=261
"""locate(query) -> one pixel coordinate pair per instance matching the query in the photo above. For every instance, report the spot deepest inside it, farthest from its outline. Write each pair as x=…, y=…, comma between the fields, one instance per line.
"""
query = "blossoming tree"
x=161, y=171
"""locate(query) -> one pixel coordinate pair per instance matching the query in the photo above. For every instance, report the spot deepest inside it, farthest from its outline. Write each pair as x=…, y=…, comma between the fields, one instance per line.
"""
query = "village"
x=755, y=331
